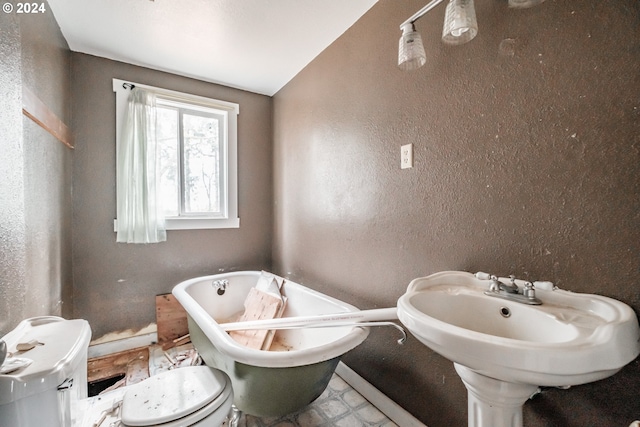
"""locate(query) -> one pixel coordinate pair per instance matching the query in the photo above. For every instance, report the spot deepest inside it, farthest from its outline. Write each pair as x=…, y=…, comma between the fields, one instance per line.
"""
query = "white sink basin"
x=570, y=339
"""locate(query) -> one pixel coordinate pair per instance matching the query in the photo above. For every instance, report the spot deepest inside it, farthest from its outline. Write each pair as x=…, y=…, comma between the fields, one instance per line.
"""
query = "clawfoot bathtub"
x=300, y=363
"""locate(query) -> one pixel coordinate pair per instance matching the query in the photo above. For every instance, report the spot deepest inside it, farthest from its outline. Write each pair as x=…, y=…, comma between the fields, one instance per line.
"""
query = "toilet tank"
x=42, y=393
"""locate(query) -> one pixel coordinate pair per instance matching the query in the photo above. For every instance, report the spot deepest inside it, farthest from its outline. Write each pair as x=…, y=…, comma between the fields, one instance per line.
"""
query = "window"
x=191, y=150
x=197, y=157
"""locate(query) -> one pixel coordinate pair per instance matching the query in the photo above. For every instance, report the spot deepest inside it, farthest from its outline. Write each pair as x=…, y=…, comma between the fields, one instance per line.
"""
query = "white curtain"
x=140, y=218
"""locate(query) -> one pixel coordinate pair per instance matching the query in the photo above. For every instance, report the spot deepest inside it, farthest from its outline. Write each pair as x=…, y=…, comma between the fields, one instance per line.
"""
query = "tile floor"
x=340, y=405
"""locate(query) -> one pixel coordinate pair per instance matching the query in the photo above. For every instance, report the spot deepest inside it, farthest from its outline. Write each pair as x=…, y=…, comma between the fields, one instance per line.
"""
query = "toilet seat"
x=180, y=397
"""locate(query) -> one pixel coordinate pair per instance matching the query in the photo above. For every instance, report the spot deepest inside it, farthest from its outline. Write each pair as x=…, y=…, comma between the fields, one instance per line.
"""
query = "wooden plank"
x=171, y=319
x=258, y=305
x=177, y=342
x=112, y=365
x=37, y=111
x=137, y=370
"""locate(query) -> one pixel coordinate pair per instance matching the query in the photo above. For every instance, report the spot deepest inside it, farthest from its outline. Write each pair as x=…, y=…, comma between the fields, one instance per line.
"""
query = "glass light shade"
x=460, y=25
x=411, y=53
x=524, y=4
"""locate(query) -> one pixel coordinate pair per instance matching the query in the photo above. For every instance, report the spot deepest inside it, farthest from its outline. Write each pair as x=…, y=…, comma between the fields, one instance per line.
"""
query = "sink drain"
x=505, y=312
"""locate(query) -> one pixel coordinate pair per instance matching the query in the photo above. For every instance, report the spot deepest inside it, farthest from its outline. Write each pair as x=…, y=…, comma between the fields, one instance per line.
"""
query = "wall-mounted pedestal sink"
x=504, y=348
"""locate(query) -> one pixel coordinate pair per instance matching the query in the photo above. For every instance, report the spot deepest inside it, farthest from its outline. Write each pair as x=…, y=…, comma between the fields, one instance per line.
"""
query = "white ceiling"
x=256, y=45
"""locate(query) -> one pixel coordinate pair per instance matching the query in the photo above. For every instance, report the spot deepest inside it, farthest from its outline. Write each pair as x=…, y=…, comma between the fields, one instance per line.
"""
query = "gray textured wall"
x=12, y=233
x=35, y=170
x=526, y=162
x=115, y=283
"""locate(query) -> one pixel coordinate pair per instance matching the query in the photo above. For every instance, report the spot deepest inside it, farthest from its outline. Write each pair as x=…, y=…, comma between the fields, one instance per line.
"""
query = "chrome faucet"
x=497, y=285
x=511, y=291
x=220, y=286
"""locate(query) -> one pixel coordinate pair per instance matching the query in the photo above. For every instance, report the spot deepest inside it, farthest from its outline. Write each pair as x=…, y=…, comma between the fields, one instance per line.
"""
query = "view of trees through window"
x=189, y=152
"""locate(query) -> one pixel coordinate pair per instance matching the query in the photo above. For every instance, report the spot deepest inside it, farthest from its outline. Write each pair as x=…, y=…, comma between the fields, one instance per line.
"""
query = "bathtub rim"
x=262, y=358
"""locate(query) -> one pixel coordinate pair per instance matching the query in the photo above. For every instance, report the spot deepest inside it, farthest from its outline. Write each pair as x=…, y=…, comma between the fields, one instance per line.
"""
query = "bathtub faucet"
x=220, y=286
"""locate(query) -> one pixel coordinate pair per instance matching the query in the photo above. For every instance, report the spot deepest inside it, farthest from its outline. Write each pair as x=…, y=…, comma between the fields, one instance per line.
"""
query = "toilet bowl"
x=45, y=390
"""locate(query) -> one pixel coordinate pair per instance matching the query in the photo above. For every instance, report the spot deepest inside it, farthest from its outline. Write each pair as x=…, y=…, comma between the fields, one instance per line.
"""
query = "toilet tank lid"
x=62, y=346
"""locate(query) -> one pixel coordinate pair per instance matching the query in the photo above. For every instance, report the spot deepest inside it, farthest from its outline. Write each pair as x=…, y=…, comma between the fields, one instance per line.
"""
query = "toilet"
x=53, y=379
x=191, y=396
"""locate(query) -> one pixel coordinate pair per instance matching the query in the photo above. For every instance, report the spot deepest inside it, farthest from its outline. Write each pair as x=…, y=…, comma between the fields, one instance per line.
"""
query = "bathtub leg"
x=233, y=419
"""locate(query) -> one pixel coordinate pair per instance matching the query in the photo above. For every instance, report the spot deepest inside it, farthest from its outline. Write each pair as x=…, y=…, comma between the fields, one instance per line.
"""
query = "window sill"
x=200, y=223
x=196, y=223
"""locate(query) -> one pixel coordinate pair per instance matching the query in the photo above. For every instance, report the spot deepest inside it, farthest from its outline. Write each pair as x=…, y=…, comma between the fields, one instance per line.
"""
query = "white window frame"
x=231, y=219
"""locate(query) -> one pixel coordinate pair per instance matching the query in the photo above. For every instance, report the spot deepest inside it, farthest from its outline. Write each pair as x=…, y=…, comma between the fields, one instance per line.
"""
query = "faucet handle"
x=529, y=290
x=481, y=275
x=495, y=284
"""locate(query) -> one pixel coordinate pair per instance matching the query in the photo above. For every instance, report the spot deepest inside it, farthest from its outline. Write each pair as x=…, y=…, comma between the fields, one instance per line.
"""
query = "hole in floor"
x=96, y=387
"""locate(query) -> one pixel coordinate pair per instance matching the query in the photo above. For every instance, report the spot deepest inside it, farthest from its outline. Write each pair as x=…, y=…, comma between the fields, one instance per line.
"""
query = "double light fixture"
x=460, y=26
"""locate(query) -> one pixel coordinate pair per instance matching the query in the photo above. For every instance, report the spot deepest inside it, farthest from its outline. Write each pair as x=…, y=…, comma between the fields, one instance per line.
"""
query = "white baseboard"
x=116, y=346
x=391, y=409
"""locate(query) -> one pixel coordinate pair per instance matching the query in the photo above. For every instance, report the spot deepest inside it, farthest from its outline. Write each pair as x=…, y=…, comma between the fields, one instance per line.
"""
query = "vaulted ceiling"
x=255, y=45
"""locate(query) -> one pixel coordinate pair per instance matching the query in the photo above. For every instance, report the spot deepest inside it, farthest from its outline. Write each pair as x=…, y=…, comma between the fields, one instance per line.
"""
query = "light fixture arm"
x=419, y=14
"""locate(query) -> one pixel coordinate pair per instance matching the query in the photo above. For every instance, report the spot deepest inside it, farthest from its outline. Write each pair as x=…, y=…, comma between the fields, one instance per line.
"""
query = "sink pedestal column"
x=491, y=402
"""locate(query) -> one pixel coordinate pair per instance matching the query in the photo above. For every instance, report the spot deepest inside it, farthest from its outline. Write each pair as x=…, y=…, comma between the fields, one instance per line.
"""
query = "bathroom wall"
x=526, y=145
x=35, y=173
x=115, y=283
